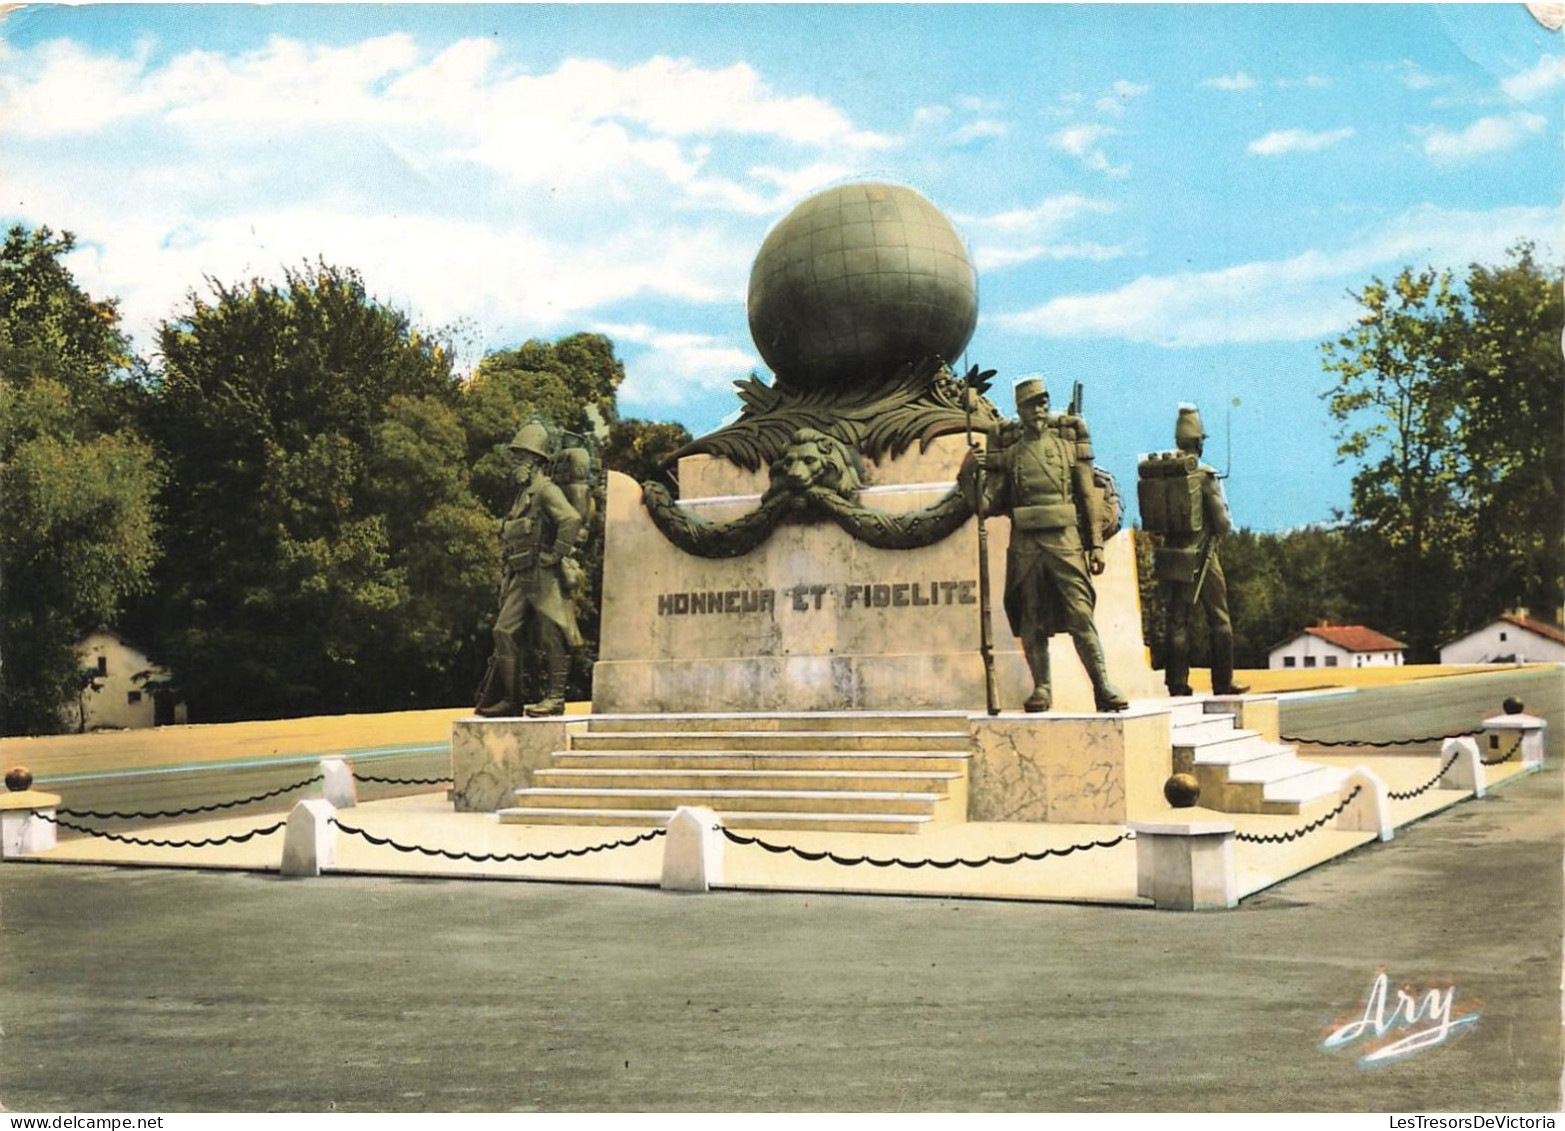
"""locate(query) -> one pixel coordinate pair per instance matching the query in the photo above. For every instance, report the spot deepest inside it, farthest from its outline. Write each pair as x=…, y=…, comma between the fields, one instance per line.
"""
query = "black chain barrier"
x=401, y=781
x=150, y=842
x=1509, y=754
x=1408, y=795
x=1284, y=838
x=497, y=857
x=1378, y=745
x=942, y=864
x=162, y=813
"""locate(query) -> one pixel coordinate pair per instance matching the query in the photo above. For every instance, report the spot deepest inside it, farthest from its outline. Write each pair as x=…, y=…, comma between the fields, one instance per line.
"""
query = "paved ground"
x=146, y=990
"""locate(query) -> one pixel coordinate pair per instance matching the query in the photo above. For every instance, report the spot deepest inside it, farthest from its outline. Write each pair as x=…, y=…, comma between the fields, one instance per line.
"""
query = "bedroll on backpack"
x=1168, y=492
x=571, y=470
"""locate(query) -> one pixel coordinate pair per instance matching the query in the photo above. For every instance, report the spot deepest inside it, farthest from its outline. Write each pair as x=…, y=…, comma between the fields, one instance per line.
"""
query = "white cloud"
x=1297, y=299
x=1415, y=77
x=1005, y=239
x=980, y=129
x=1123, y=91
x=1279, y=142
x=1238, y=81
x=1543, y=76
x=669, y=368
x=1486, y=135
x=1082, y=142
x=1316, y=82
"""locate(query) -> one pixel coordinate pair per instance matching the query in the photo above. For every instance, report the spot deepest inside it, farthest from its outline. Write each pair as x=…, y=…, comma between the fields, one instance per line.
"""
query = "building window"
x=103, y=665
x=1309, y=661
x=1290, y=662
x=133, y=697
x=1331, y=661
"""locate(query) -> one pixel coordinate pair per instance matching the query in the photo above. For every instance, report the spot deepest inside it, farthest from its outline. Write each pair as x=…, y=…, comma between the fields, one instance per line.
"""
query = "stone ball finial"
x=19, y=779
x=1513, y=706
x=1182, y=791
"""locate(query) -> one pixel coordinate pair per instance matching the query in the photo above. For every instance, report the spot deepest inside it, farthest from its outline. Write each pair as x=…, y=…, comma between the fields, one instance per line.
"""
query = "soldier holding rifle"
x=1044, y=481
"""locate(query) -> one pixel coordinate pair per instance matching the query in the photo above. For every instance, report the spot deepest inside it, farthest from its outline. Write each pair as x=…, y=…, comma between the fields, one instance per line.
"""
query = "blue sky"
x=1165, y=202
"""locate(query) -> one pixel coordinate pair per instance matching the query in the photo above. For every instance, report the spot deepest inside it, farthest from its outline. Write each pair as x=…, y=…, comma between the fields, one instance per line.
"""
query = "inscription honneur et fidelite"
x=814, y=598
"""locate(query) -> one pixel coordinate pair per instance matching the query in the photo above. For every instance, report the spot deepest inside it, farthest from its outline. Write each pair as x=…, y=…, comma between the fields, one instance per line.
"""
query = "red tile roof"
x=1356, y=638
x=1547, y=631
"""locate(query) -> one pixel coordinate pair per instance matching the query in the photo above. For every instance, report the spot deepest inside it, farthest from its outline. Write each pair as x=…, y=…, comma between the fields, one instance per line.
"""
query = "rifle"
x=985, y=595
x=1208, y=549
x=1074, y=408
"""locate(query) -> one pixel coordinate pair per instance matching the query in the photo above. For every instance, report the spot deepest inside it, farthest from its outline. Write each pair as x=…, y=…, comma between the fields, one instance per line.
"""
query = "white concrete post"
x=22, y=829
x=1370, y=811
x=338, y=785
x=1502, y=730
x=310, y=839
x=1186, y=865
x=693, y=856
x=1466, y=771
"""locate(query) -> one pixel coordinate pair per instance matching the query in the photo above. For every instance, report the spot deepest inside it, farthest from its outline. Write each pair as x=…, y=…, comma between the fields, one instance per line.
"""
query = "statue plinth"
x=816, y=620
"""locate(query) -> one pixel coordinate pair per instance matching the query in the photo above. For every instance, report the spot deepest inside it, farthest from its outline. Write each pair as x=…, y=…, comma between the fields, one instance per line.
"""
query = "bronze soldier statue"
x=1187, y=563
x=1044, y=482
x=538, y=539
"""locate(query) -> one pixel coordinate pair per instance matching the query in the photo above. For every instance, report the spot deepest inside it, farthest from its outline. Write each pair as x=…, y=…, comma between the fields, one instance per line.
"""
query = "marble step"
x=857, y=721
x=1208, y=728
x=808, y=740
x=736, y=800
x=903, y=823
x=654, y=780
x=1233, y=748
x=865, y=761
x=1185, y=711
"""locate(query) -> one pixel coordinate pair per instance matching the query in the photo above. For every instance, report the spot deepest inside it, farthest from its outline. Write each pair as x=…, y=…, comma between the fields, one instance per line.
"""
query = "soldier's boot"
x=497, y=697
x=1223, y=668
x=1104, y=694
x=553, y=701
x=1040, y=700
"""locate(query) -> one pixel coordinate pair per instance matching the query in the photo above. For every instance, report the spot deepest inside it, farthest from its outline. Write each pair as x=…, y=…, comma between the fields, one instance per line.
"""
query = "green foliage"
x=1450, y=400
x=78, y=535
x=639, y=448
x=327, y=553
x=570, y=384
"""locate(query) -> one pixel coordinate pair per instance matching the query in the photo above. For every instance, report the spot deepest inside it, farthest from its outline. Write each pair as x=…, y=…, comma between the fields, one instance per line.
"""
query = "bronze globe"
x=856, y=282
x=19, y=779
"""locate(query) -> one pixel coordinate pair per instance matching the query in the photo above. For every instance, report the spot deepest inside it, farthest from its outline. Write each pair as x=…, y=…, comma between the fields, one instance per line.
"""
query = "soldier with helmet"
x=538, y=540
x=1044, y=481
x=1187, y=563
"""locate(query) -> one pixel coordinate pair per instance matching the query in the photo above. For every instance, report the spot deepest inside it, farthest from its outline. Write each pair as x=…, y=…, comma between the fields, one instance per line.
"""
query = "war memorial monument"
x=875, y=601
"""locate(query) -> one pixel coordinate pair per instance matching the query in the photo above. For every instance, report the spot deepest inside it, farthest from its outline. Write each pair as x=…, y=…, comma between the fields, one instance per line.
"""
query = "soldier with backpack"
x=539, y=539
x=1182, y=502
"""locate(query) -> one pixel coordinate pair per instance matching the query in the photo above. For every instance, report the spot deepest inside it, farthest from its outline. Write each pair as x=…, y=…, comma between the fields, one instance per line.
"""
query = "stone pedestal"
x=815, y=620
x=1186, y=865
x=1369, y=811
x=1463, y=766
x=1502, y=731
x=1069, y=769
x=693, y=850
x=492, y=757
x=309, y=839
x=23, y=828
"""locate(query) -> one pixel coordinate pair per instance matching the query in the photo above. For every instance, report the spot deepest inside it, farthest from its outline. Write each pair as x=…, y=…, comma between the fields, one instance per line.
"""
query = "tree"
x=1395, y=400
x=1513, y=439
x=1453, y=401
x=639, y=448
x=77, y=483
x=316, y=473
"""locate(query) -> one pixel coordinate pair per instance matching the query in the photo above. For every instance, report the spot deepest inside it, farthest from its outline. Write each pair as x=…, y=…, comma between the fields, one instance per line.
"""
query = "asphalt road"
x=147, y=990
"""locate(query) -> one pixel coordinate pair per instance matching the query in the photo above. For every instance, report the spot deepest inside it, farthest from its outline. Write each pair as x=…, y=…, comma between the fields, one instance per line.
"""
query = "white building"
x=126, y=689
x=1337, y=646
x=1511, y=638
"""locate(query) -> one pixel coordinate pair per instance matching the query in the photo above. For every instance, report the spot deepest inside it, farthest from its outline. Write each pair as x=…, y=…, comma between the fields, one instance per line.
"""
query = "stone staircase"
x=829, y=771
x=1242, y=772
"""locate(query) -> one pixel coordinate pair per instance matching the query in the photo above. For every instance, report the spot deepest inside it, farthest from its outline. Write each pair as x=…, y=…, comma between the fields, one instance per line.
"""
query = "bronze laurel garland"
x=881, y=529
